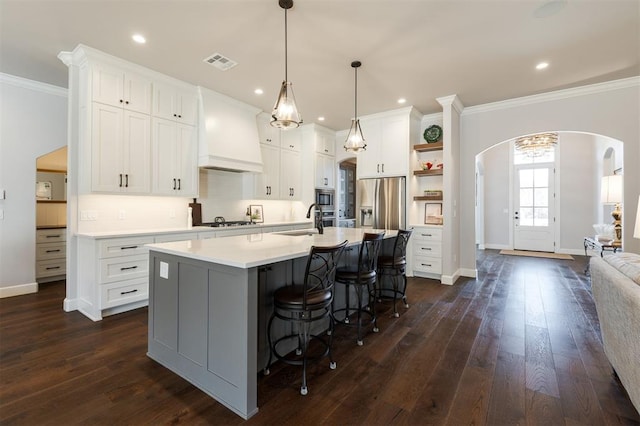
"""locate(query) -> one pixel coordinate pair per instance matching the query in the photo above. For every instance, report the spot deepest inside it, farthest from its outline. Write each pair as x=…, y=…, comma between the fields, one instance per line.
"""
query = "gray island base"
x=209, y=301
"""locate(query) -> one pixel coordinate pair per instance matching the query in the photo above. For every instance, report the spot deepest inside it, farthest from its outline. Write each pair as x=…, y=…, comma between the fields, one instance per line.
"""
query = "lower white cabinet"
x=426, y=248
x=51, y=254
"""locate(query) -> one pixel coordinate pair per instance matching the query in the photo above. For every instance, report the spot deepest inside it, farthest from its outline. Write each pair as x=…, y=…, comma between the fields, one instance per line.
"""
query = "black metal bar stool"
x=361, y=276
x=395, y=267
x=305, y=304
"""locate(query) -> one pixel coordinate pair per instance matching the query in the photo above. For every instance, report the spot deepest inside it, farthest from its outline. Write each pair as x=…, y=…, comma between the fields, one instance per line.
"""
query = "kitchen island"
x=209, y=301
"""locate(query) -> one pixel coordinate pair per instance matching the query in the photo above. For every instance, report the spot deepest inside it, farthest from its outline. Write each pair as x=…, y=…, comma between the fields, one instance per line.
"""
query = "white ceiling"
x=483, y=51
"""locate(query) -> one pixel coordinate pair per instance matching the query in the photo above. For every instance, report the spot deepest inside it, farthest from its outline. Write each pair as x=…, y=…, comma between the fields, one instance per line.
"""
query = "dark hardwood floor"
x=519, y=345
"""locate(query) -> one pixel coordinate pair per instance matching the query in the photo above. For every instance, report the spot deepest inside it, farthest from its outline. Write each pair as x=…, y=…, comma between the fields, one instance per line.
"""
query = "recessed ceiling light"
x=402, y=100
x=542, y=65
x=320, y=118
x=258, y=92
x=139, y=38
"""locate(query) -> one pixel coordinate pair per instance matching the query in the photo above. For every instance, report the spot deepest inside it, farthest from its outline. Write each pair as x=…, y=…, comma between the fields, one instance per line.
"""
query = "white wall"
x=610, y=109
x=496, y=198
x=33, y=122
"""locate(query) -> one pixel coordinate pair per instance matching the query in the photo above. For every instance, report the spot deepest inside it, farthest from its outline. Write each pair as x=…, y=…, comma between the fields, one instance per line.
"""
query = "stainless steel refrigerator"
x=383, y=203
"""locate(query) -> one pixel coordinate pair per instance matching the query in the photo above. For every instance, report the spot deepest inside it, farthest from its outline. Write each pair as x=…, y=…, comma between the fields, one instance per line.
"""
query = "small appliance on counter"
x=220, y=222
x=196, y=213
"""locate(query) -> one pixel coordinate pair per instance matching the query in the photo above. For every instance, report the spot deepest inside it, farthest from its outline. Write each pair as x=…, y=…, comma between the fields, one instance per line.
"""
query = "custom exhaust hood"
x=228, y=134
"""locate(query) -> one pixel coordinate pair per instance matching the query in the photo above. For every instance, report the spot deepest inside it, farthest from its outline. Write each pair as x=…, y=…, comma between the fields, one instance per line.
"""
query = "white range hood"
x=228, y=134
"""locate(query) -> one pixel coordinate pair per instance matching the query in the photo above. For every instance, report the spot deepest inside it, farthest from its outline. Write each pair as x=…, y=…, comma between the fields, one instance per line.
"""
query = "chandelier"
x=538, y=144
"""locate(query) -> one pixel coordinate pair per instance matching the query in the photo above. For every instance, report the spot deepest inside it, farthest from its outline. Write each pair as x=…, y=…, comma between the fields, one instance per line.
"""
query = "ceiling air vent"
x=220, y=61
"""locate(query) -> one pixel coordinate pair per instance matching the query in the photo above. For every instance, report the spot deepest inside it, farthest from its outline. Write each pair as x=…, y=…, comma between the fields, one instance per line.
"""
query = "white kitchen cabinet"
x=126, y=89
x=426, y=249
x=388, y=138
x=174, y=158
x=268, y=134
x=267, y=183
x=291, y=140
x=175, y=103
x=120, y=150
x=281, y=178
x=325, y=142
x=325, y=171
x=51, y=253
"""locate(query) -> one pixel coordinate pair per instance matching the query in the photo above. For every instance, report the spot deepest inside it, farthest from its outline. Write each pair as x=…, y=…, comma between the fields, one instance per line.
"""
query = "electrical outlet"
x=122, y=215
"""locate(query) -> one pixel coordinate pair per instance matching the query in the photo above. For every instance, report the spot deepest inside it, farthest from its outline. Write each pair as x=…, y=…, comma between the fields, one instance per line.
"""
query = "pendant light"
x=355, y=141
x=285, y=113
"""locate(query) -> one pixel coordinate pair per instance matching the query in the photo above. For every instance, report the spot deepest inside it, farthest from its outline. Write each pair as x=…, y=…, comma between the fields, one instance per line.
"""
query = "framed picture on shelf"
x=433, y=214
x=256, y=213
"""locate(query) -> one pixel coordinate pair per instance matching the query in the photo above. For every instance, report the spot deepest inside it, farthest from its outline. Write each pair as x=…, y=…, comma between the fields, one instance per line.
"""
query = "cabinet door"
x=291, y=167
x=187, y=167
x=291, y=140
x=268, y=182
x=164, y=157
x=137, y=93
x=268, y=134
x=369, y=159
x=325, y=170
x=106, y=148
x=137, y=153
x=163, y=101
x=325, y=143
x=186, y=107
x=107, y=85
x=394, y=152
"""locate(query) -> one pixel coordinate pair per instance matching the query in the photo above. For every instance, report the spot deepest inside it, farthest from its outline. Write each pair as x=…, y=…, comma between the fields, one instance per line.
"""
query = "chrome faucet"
x=318, y=222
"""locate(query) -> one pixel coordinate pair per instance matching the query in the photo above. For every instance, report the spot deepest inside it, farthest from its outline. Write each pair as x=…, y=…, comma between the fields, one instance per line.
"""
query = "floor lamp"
x=611, y=193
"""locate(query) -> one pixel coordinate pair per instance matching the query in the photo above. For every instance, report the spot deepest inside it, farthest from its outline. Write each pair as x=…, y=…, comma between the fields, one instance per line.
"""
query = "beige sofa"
x=615, y=282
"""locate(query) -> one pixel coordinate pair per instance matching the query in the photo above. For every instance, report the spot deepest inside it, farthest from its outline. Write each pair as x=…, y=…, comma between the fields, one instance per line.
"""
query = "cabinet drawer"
x=427, y=264
x=123, y=292
x=51, y=251
x=427, y=248
x=427, y=234
x=51, y=235
x=51, y=268
x=124, y=268
x=124, y=246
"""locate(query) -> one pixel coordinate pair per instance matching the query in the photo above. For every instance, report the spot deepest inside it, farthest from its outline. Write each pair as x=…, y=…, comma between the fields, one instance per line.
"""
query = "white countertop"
x=248, y=251
x=142, y=232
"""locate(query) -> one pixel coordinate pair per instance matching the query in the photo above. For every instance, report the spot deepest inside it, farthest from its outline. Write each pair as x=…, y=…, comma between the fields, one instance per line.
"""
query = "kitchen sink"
x=298, y=232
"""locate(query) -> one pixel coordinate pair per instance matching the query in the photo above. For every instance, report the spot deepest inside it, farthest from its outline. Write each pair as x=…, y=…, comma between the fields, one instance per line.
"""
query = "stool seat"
x=349, y=274
x=390, y=261
x=292, y=298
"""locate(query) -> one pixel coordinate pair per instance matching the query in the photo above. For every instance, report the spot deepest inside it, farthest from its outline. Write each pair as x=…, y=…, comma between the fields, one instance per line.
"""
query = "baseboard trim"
x=70, y=305
x=18, y=290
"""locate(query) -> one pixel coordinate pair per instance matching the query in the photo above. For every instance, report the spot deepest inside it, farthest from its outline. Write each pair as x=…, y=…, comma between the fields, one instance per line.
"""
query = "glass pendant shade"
x=285, y=113
x=355, y=141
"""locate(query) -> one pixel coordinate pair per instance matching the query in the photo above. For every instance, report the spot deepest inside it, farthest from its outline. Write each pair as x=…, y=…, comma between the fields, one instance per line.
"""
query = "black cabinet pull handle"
x=128, y=247
x=174, y=183
x=53, y=251
x=52, y=267
x=426, y=248
x=382, y=167
x=120, y=183
x=53, y=236
x=126, y=177
x=425, y=264
x=427, y=235
x=126, y=102
x=378, y=168
x=121, y=101
x=175, y=115
x=126, y=268
x=179, y=116
x=128, y=292
x=179, y=184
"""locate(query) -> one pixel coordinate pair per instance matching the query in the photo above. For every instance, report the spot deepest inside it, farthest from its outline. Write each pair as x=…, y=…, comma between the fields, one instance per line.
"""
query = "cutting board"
x=196, y=212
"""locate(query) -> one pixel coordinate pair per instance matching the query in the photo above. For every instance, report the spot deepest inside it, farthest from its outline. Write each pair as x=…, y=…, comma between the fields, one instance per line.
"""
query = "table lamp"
x=636, y=232
x=611, y=193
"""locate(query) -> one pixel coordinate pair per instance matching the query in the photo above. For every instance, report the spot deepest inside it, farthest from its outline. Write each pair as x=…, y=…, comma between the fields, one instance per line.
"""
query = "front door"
x=534, y=207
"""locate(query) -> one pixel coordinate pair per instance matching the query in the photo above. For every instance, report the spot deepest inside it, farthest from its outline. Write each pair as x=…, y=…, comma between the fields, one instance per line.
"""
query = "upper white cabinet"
x=120, y=150
x=174, y=158
x=113, y=86
x=268, y=134
x=388, y=137
x=325, y=141
x=325, y=171
x=291, y=140
x=175, y=103
x=267, y=183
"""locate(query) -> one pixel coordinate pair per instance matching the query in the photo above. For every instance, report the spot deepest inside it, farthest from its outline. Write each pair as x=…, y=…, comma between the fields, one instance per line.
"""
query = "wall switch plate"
x=88, y=215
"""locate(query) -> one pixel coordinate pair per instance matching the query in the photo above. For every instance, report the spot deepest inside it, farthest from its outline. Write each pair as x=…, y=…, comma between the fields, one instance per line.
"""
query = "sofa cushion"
x=627, y=263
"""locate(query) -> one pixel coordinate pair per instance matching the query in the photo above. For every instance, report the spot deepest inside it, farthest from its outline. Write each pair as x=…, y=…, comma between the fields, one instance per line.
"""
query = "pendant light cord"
x=286, y=77
x=356, y=96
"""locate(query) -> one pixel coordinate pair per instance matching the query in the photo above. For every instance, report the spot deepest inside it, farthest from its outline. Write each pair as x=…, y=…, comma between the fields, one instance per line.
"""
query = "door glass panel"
x=526, y=216
x=541, y=216
x=541, y=197
x=526, y=197
x=526, y=178
x=541, y=177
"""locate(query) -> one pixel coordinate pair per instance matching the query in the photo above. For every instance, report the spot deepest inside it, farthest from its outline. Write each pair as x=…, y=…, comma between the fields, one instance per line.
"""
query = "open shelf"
x=437, y=172
x=425, y=147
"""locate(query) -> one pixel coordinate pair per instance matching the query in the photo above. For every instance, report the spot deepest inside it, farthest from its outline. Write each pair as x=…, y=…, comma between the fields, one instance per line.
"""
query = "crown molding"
x=33, y=85
x=558, y=94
